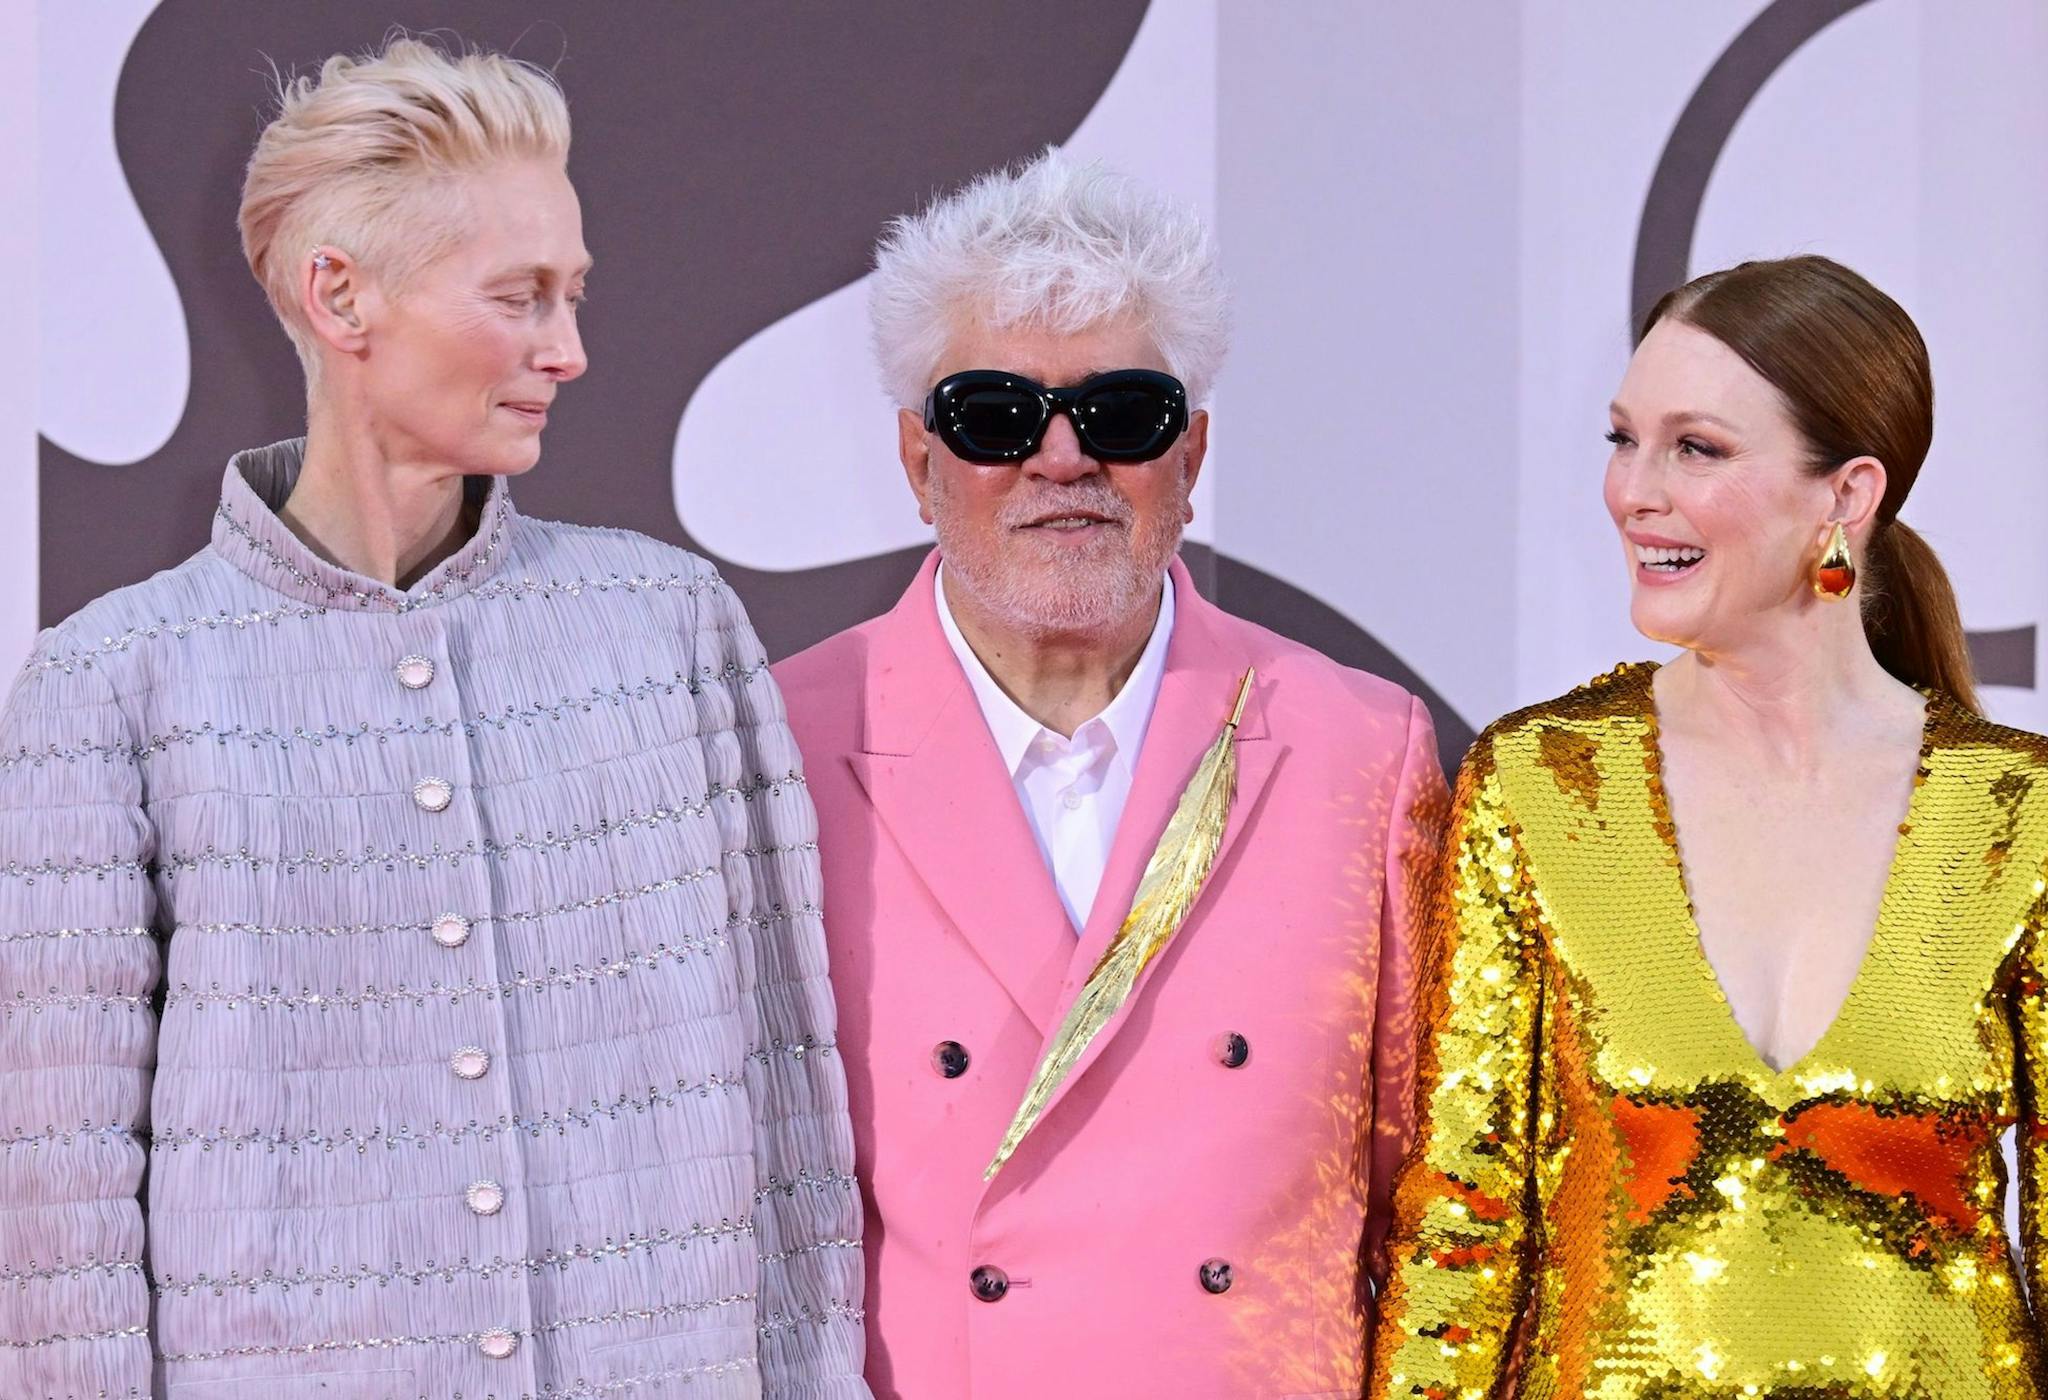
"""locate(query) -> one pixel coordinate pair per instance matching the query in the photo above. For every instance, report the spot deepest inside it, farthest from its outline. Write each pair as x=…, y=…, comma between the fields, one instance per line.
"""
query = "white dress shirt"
x=1072, y=790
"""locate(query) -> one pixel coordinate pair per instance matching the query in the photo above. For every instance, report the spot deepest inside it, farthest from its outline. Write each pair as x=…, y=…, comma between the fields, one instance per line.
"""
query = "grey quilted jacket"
x=416, y=995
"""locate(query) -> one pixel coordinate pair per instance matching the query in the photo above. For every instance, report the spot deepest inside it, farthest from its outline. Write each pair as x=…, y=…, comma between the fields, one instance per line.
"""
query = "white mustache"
x=1106, y=504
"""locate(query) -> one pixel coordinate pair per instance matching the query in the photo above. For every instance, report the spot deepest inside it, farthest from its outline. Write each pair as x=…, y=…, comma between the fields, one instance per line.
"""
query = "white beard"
x=1095, y=592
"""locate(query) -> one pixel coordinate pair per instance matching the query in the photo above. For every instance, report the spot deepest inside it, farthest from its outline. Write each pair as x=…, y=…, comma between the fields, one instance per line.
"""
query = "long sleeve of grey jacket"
x=452, y=959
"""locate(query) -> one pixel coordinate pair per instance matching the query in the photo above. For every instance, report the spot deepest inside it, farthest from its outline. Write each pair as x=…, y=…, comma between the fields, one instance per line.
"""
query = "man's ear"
x=914, y=448
x=331, y=297
x=1194, y=452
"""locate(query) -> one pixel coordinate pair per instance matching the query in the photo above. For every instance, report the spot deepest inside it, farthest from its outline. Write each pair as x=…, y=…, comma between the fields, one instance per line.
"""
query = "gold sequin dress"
x=1605, y=1162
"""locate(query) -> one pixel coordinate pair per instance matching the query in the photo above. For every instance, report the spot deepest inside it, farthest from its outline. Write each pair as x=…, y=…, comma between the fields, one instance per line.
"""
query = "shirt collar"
x=1126, y=716
x=248, y=534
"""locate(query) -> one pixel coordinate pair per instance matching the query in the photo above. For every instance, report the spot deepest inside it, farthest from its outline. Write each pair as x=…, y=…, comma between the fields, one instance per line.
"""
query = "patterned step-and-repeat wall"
x=1437, y=220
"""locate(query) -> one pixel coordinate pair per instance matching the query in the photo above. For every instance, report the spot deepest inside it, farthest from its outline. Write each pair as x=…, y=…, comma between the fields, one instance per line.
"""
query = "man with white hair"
x=1129, y=1055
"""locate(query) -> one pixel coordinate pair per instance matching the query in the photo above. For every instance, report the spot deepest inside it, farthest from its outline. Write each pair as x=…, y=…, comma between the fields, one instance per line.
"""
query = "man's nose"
x=1060, y=457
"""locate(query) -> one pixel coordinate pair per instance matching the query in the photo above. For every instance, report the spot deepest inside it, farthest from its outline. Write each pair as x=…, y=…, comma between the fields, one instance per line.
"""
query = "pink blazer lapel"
x=1203, y=668
x=932, y=770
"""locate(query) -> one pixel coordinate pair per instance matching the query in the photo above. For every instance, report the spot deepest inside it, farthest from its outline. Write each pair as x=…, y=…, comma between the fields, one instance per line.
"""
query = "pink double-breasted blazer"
x=1199, y=1210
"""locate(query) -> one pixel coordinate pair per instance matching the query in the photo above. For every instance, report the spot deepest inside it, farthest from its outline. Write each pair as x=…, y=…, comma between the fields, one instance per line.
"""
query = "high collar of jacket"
x=248, y=534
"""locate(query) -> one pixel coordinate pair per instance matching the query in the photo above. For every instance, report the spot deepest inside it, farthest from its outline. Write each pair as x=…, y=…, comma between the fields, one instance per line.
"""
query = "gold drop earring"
x=1834, y=574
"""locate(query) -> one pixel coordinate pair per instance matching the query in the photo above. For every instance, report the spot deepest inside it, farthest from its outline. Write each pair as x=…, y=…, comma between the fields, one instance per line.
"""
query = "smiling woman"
x=1738, y=973
x=467, y=856
x=1833, y=375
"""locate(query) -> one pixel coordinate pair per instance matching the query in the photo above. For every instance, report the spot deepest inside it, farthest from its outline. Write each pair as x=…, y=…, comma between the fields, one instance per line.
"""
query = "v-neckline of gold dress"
x=1610, y=1171
x=1701, y=967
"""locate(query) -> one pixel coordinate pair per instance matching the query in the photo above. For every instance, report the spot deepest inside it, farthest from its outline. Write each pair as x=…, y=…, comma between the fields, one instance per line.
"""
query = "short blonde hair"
x=1056, y=243
x=361, y=157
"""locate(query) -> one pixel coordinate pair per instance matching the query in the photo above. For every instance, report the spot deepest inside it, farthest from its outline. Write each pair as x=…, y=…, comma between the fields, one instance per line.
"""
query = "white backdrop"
x=20, y=334
x=1430, y=217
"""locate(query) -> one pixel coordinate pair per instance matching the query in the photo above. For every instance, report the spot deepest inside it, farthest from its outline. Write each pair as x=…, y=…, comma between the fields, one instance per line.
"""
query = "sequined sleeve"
x=808, y=1209
x=1460, y=1234
x=2029, y=1010
x=78, y=966
x=1414, y=841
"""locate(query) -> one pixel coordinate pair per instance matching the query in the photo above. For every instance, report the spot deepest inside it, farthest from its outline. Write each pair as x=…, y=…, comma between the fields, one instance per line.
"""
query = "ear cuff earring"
x=321, y=260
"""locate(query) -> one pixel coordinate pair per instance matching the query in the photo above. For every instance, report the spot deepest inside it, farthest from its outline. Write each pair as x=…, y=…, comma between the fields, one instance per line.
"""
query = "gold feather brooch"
x=1173, y=879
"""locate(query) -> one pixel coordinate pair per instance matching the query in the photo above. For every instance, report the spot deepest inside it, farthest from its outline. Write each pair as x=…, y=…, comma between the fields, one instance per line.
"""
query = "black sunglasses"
x=991, y=415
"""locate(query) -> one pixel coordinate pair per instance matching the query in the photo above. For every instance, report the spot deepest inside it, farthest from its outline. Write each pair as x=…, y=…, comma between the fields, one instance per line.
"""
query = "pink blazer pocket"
x=340, y=1385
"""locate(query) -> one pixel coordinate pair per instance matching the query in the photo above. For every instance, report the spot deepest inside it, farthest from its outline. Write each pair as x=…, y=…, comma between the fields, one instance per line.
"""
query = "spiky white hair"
x=1055, y=243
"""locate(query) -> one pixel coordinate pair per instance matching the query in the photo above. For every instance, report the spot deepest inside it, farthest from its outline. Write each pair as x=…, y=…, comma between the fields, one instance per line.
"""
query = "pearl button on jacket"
x=452, y=958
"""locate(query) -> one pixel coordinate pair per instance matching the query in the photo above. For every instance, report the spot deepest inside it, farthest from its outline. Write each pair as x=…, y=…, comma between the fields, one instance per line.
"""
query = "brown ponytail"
x=1910, y=617
x=1854, y=374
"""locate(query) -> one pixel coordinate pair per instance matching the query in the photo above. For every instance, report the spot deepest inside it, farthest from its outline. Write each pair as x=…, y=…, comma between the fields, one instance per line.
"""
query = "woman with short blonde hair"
x=369, y=155
x=425, y=893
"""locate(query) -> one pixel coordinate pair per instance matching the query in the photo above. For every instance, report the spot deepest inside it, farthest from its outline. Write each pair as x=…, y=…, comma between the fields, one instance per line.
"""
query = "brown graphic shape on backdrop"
x=1671, y=213
x=735, y=164
x=1671, y=210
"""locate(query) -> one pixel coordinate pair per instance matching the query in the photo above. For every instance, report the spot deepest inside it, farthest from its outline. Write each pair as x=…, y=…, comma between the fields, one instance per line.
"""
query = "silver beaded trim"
x=405, y=1135
x=22, y=1001
x=83, y=659
x=35, y=1274
x=684, y=1373
x=527, y=916
x=54, y=1338
x=579, y=1390
x=607, y=827
x=781, y=1256
x=747, y=792
x=474, y=727
x=795, y=1050
x=577, y=975
x=138, y=931
x=523, y=588
x=500, y=517
x=763, y=852
x=654, y=1314
x=274, y=998
x=725, y=1232
x=121, y=1131
x=814, y=1317
x=776, y=915
x=36, y=758
x=336, y=862
x=362, y=597
x=809, y=1180
x=499, y=509
x=65, y=870
x=163, y=627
